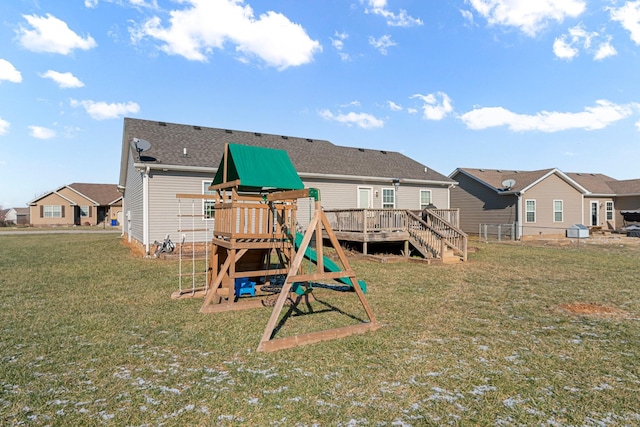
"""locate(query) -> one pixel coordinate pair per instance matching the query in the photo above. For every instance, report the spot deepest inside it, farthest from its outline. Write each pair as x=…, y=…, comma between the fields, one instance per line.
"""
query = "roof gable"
x=521, y=180
x=100, y=194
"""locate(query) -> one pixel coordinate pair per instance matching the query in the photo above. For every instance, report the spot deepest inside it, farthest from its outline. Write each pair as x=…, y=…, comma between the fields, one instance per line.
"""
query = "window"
x=85, y=211
x=530, y=210
x=425, y=198
x=208, y=211
x=388, y=198
x=52, y=211
x=557, y=211
x=609, y=209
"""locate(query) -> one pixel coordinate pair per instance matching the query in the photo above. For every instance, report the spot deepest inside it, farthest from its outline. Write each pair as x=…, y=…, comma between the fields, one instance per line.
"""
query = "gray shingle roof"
x=495, y=177
x=625, y=187
x=204, y=147
x=596, y=183
x=103, y=194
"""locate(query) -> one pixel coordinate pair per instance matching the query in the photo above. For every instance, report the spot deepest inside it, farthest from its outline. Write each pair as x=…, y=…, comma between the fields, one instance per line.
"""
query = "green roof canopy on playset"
x=258, y=169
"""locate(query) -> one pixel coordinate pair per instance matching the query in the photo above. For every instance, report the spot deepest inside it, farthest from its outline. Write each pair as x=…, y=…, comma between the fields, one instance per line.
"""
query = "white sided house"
x=161, y=160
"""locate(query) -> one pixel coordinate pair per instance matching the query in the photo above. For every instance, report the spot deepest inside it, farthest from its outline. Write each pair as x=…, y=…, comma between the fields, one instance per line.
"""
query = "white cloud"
x=436, y=105
x=467, y=15
x=8, y=72
x=204, y=25
x=91, y=4
x=599, y=116
x=393, y=106
x=52, y=35
x=63, y=80
x=605, y=50
x=629, y=17
x=362, y=120
x=401, y=19
x=102, y=110
x=4, y=126
x=338, y=45
x=382, y=44
x=42, y=132
x=563, y=49
x=568, y=45
x=529, y=16
x=412, y=110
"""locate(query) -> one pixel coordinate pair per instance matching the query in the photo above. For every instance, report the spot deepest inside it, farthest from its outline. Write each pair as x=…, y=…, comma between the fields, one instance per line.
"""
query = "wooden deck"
x=432, y=238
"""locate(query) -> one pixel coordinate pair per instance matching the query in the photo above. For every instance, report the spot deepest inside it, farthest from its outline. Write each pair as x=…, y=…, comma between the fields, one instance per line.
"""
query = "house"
x=542, y=202
x=8, y=217
x=77, y=204
x=22, y=216
x=160, y=160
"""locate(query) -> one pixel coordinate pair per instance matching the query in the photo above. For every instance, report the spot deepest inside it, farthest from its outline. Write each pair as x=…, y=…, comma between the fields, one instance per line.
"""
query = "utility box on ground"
x=578, y=231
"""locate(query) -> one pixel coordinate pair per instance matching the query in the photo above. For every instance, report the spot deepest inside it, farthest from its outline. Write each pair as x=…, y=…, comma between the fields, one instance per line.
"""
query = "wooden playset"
x=255, y=256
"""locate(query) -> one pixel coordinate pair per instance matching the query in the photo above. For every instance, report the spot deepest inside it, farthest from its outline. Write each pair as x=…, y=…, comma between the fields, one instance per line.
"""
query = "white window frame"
x=556, y=211
x=609, y=210
x=207, y=202
x=527, y=211
x=392, y=192
x=422, y=204
x=52, y=211
x=84, y=211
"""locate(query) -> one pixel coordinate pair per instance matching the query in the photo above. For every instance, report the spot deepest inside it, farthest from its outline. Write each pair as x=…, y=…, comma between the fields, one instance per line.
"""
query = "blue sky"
x=505, y=84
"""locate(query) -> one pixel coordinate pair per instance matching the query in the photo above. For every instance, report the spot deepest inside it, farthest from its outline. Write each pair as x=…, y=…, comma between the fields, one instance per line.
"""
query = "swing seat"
x=243, y=286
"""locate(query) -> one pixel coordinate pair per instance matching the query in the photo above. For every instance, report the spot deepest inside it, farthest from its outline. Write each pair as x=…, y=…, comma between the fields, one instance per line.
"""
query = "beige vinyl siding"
x=133, y=204
x=602, y=212
x=81, y=201
x=52, y=199
x=480, y=204
x=164, y=206
x=341, y=195
x=547, y=191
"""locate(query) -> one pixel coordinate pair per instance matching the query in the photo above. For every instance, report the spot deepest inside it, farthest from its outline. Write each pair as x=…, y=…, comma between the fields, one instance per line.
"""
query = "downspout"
x=519, y=209
x=145, y=209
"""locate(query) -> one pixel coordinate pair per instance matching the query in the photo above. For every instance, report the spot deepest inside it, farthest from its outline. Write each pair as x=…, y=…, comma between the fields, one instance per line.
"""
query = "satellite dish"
x=508, y=183
x=140, y=145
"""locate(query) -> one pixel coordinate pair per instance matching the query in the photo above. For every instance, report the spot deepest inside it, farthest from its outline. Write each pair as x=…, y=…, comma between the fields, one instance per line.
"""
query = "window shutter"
x=62, y=211
x=89, y=211
x=41, y=211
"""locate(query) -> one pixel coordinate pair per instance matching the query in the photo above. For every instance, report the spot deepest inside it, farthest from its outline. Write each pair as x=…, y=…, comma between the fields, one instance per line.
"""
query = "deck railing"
x=439, y=231
x=253, y=220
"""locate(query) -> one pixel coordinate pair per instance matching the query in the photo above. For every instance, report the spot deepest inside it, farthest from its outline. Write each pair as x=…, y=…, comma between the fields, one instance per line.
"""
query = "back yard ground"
x=520, y=335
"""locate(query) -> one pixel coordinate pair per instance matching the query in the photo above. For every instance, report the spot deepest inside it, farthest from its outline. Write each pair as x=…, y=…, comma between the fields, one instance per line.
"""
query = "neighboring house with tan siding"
x=183, y=159
x=77, y=204
x=538, y=203
x=541, y=203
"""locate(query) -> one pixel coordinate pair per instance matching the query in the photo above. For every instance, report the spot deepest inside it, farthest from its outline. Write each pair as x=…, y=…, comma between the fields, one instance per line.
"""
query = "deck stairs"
x=435, y=238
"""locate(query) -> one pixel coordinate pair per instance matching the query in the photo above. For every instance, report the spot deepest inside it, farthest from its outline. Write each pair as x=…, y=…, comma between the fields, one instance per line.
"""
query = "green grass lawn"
x=90, y=336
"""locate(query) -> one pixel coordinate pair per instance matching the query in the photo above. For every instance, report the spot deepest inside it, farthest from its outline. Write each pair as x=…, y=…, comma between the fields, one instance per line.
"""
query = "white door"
x=364, y=198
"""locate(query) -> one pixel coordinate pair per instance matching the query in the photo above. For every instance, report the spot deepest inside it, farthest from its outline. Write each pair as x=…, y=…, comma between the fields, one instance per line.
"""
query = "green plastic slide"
x=329, y=265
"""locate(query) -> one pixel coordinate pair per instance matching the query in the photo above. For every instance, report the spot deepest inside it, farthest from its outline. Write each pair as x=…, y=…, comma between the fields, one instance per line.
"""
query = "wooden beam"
x=239, y=305
x=286, y=195
x=197, y=196
x=224, y=185
x=314, y=337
